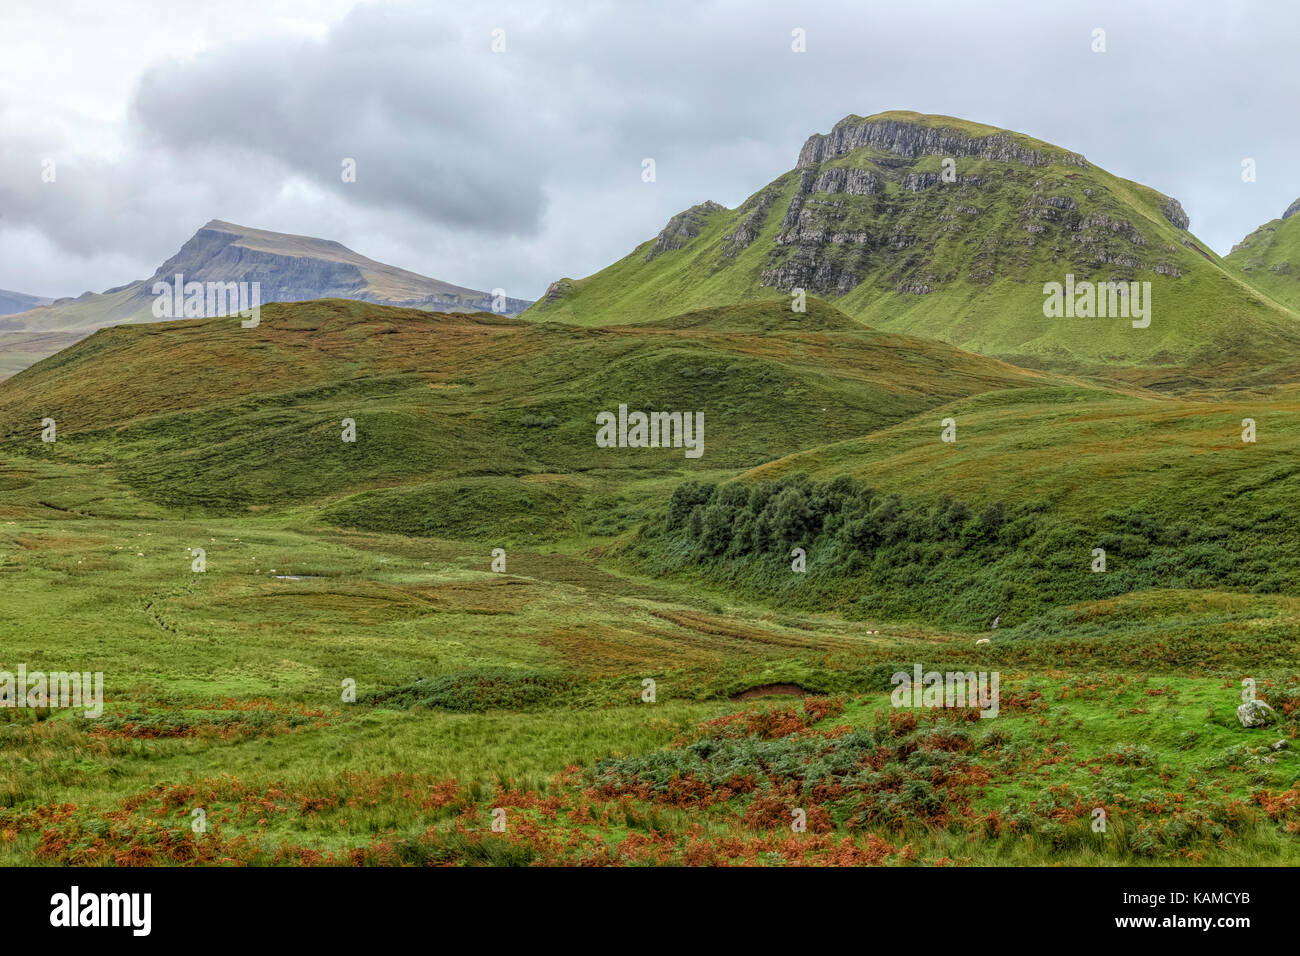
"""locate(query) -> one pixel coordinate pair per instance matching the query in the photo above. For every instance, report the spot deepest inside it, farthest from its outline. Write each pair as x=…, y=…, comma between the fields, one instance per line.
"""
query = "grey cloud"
x=517, y=168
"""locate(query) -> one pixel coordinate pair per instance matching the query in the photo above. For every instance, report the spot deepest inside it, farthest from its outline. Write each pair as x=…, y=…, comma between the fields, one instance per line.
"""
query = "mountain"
x=1270, y=257
x=200, y=416
x=948, y=229
x=11, y=302
x=290, y=269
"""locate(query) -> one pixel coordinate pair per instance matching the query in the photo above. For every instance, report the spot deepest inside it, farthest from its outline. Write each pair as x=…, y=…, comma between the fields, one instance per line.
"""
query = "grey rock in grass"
x=1255, y=713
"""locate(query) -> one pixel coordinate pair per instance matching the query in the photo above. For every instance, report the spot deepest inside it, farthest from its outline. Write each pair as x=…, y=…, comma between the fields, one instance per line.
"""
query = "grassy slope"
x=224, y=694
x=1269, y=258
x=986, y=271
x=1167, y=487
x=224, y=687
x=242, y=419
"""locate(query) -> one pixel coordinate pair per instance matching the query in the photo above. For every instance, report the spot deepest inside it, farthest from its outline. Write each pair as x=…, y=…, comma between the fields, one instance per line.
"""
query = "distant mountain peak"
x=287, y=268
x=11, y=302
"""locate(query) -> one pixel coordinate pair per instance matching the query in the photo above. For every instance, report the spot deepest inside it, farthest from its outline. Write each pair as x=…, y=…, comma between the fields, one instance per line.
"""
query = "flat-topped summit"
x=912, y=135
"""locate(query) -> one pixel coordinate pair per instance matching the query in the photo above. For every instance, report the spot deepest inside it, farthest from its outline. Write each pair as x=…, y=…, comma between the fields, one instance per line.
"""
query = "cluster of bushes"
x=738, y=520
x=866, y=552
x=539, y=421
x=945, y=561
x=492, y=688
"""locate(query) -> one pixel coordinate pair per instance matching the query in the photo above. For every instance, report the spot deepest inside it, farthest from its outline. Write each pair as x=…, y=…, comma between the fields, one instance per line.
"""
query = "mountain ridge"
x=950, y=230
x=11, y=302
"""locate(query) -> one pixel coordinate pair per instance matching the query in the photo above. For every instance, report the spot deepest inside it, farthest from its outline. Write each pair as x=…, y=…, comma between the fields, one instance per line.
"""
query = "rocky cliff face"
x=1291, y=210
x=682, y=228
x=882, y=199
x=935, y=226
x=913, y=140
x=1173, y=211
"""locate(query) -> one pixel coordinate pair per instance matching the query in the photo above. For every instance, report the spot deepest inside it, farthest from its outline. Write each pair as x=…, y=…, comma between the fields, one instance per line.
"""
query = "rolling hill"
x=240, y=419
x=1003, y=521
x=947, y=229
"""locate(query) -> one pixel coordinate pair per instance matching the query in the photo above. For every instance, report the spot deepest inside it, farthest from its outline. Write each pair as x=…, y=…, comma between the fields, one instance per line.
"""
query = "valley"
x=633, y=577
x=348, y=681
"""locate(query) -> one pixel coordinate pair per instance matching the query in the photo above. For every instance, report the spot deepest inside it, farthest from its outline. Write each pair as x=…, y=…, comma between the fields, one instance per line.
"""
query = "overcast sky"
x=512, y=169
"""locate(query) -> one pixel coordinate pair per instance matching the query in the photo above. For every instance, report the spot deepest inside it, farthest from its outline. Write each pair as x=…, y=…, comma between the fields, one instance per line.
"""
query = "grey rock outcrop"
x=755, y=211
x=912, y=140
x=682, y=228
x=1255, y=713
x=851, y=182
x=557, y=290
x=1173, y=211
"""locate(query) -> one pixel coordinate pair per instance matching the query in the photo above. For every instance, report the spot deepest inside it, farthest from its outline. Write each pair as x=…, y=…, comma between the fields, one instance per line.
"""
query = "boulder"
x=1255, y=713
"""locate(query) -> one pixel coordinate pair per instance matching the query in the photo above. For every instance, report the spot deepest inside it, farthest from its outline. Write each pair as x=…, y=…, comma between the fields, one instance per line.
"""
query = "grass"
x=1168, y=489
x=349, y=682
x=1269, y=258
x=224, y=694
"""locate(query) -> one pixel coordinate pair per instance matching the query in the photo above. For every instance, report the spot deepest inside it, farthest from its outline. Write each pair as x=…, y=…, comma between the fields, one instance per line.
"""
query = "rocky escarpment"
x=215, y=255
x=948, y=205
x=754, y=216
x=682, y=228
x=1173, y=211
x=1291, y=210
x=950, y=229
x=911, y=204
x=913, y=140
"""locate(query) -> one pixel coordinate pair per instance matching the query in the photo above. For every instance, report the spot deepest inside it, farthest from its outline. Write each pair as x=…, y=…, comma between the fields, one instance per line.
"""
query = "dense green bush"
x=477, y=691
x=883, y=555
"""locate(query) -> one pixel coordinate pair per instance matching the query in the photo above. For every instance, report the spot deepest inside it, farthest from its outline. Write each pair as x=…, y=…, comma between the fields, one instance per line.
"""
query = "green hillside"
x=367, y=565
x=1270, y=257
x=867, y=220
x=448, y=442
x=1003, y=521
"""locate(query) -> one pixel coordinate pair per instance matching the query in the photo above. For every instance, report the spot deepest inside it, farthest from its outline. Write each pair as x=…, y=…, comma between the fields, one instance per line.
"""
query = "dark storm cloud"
x=433, y=133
